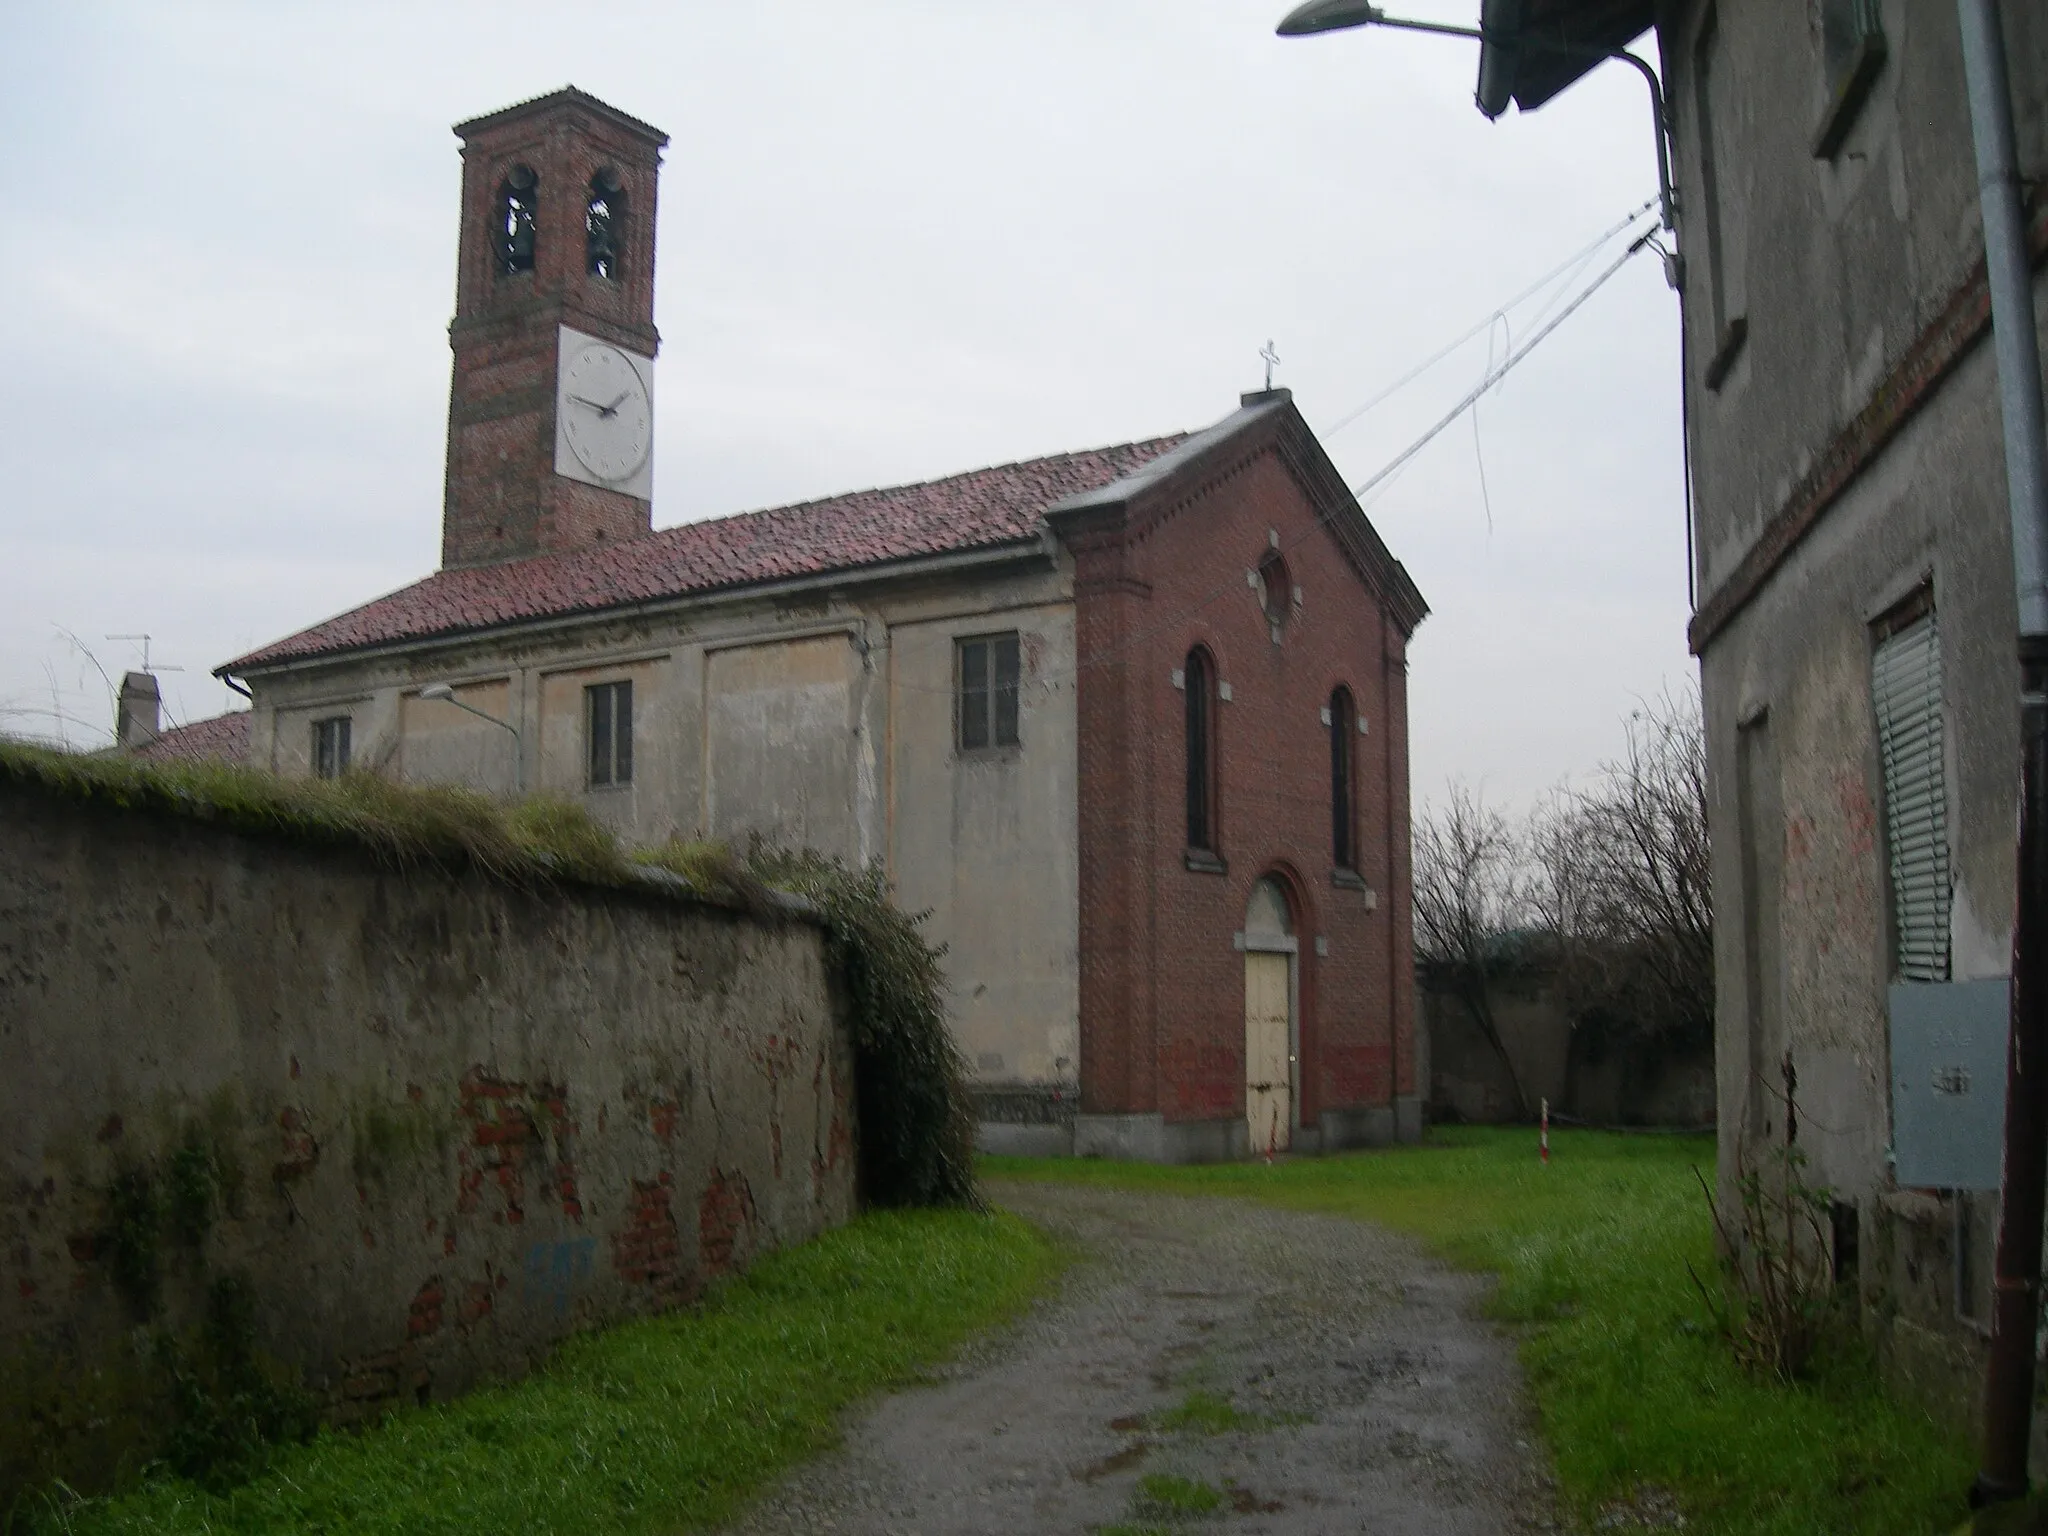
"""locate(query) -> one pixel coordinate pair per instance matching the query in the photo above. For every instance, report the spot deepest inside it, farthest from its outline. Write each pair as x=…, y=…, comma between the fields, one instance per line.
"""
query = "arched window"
x=1343, y=799
x=604, y=225
x=512, y=220
x=1200, y=680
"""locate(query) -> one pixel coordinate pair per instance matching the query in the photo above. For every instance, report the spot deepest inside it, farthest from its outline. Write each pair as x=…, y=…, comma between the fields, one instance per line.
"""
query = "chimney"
x=137, y=717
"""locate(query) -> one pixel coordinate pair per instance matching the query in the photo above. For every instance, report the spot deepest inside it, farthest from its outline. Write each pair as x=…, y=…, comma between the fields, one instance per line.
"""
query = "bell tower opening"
x=604, y=225
x=512, y=223
x=550, y=408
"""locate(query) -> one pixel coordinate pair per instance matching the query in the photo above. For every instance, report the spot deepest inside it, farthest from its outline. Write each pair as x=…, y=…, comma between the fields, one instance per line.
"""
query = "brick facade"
x=503, y=499
x=1162, y=981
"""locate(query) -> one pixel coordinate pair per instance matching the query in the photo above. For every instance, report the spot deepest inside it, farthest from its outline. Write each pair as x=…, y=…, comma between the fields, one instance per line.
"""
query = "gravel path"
x=1365, y=1393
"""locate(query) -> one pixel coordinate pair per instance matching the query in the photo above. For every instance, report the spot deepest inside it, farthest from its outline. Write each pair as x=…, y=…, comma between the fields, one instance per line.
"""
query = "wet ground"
x=1263, y=1370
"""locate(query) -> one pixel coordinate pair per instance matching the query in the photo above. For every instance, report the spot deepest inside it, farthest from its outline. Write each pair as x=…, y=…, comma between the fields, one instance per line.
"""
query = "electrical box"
x=1948, y=1082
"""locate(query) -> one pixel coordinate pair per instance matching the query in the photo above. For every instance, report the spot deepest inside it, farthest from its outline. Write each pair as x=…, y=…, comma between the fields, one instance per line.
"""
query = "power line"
x=1051, y=681
x=1577, y=259
x=1495, y=375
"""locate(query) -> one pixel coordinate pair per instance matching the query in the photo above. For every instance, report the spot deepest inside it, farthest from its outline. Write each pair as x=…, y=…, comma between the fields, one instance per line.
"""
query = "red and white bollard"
x=1543, y=1135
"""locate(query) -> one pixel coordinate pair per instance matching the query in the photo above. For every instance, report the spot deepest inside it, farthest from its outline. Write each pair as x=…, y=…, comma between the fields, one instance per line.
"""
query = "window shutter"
x=1906, y=682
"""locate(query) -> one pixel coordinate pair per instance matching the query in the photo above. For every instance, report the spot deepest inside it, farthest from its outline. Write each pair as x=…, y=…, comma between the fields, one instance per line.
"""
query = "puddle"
x=1122, y=1461
x=1245, y=1502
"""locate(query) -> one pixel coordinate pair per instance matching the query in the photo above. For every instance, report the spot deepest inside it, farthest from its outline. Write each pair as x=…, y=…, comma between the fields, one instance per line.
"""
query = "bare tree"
x=1622, y=880
x=1469, y=893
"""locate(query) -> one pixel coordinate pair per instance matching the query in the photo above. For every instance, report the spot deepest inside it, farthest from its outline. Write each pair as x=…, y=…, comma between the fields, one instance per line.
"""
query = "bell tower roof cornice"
x=567, y=96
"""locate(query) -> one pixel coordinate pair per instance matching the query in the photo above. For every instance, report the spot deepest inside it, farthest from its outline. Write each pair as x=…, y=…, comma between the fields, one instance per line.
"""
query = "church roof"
x=223, y=737
x=981, y=509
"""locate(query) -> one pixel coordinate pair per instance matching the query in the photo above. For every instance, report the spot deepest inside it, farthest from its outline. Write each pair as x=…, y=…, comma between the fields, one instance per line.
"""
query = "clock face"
x=606, y=418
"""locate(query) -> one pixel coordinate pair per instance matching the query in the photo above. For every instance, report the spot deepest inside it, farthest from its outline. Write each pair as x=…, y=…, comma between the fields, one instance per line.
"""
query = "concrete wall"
x=454, y=1120
x=1583, y=1074
x=821, y=718
x=1835, y=265
x=1850, y=455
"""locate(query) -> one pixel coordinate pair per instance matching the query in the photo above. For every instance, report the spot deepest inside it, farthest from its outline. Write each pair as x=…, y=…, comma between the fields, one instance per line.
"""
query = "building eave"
x=1534, y=49
x=1266, y=418
x=568, y=95
x=1034, y=548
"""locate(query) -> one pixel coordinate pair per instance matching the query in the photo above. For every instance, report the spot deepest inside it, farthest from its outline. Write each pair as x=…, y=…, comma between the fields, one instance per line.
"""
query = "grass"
x=659, y=1425
x=1207, y=1413
x=1632, y=1386
x=1182, y=1498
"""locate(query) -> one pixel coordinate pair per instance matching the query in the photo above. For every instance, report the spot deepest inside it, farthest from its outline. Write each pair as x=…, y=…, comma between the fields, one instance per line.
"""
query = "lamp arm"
x=1443, y=28
x=518, y=741
x=1667, y=199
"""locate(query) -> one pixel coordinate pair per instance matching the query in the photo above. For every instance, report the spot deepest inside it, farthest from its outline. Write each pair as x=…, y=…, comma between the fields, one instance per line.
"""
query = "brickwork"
x=503, y=499
x=1162, y=984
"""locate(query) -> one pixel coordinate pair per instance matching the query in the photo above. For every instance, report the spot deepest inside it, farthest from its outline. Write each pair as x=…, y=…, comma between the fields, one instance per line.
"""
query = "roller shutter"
x=1906, y=681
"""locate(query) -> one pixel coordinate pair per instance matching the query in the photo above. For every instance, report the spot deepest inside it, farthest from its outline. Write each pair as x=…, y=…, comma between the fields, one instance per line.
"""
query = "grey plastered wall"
x=986, y=842
x=1843, y=260
x=455, y=1119
x=1585, y=1074
x=1793, y=669
x=822, y=715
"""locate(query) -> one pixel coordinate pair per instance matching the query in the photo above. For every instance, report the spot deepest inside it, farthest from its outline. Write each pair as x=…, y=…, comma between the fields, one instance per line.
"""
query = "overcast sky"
x=898, y=238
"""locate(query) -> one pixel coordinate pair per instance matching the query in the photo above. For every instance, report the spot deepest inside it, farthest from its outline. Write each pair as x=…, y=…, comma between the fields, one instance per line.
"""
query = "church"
x=1128, y=722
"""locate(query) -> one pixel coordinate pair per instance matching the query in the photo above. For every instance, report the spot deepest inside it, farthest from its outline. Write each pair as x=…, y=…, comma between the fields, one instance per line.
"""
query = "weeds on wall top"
x=525, y=842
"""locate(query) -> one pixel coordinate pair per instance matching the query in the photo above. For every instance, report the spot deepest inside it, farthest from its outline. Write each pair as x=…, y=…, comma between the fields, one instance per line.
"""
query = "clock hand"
x=613, y=408
x=600, y=409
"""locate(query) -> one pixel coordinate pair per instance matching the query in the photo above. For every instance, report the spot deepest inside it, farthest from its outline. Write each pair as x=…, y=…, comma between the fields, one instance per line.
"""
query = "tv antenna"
x=145, y=639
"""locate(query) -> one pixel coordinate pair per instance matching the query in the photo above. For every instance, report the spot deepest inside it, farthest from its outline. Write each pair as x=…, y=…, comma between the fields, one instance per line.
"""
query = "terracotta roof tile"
x=225, y=737
x=984, y=507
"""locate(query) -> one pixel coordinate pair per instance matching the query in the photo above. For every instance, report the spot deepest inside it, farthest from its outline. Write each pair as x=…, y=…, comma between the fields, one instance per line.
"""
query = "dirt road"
x=1273, y=1372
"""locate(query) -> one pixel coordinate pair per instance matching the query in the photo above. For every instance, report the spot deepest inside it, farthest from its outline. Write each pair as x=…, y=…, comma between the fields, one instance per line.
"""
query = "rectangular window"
x=608, y=708
x=1724, y=307
x=1201, y=751
x=1906, y=687
x=1342, y=812
x=330, y=747
x=1852, y=52
x=988, y=691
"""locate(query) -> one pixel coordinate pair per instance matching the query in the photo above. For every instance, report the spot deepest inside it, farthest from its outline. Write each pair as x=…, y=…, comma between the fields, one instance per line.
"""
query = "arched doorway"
x=1269, y=990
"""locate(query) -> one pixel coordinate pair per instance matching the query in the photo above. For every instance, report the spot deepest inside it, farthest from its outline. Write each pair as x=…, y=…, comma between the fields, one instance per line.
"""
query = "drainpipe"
x=2009, y=1375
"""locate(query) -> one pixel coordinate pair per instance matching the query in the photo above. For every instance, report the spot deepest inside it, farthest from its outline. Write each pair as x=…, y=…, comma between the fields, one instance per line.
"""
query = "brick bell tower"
x=550, y=414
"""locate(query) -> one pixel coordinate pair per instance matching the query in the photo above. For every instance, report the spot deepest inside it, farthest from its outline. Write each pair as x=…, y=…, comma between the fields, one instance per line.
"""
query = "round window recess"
x=1276, y=591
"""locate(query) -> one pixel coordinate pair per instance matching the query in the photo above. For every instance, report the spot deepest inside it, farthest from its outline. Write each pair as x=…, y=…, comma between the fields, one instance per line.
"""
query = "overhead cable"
x=1495, y=375
x=1577, y=259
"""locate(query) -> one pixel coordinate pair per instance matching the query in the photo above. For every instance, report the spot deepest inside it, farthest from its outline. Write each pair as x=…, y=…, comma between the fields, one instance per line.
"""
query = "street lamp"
x=441, y=693
x=1337, y=15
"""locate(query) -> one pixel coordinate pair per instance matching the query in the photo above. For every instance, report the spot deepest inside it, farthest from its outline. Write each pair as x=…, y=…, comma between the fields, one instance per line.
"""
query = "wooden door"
x=1269, y=1078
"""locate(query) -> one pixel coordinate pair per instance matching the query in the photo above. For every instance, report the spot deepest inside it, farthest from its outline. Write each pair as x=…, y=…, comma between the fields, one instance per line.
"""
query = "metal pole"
x=1667, y=200
x=2009, y=1374
x=518, y=743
